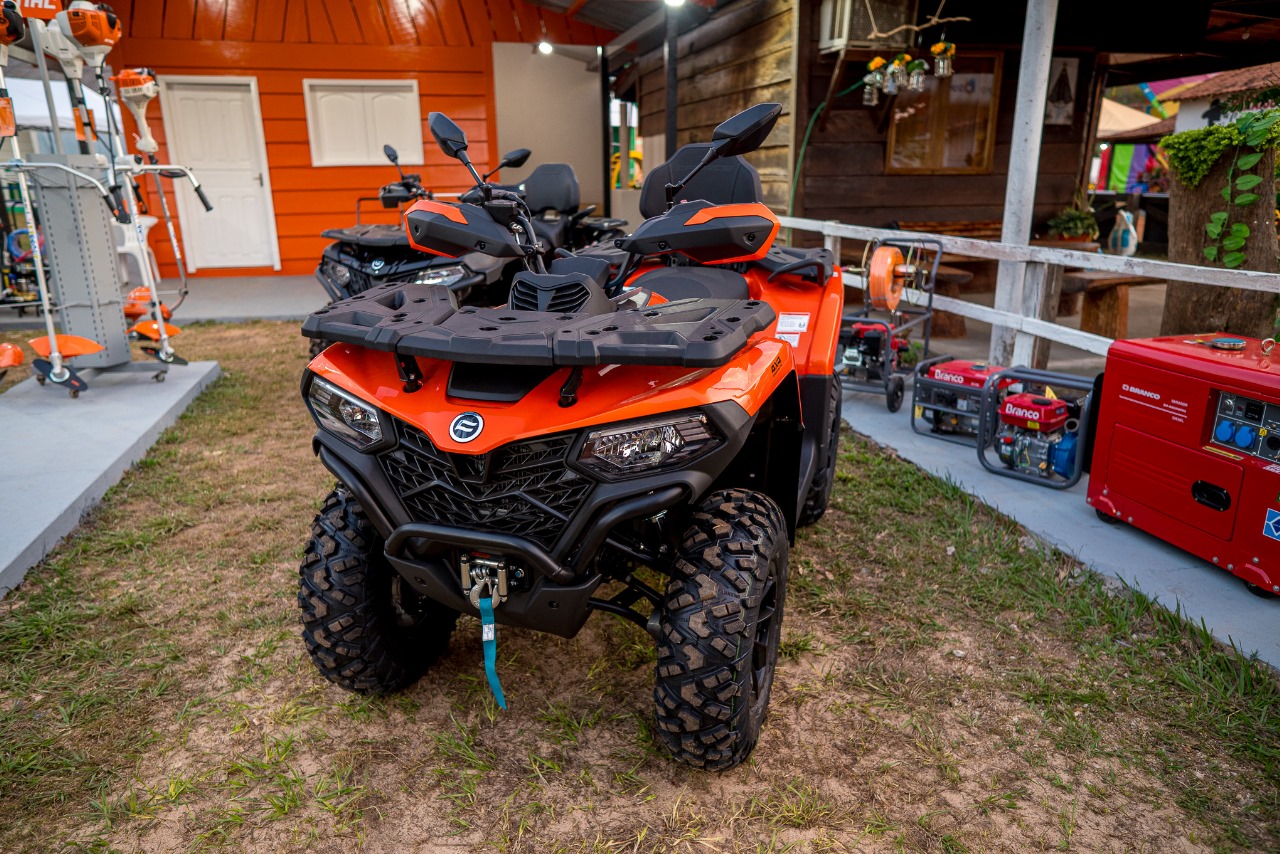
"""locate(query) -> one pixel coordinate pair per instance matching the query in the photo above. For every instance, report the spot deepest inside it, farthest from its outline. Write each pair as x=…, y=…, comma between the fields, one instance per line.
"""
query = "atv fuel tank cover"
x=425, y=321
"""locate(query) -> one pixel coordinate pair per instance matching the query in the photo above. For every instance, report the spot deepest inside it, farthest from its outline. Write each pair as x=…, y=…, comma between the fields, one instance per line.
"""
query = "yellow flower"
x=943, y=48
x=878, y=62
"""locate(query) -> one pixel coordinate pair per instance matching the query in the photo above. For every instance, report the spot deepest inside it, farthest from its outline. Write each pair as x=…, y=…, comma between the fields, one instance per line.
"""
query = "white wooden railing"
x=1031, y=322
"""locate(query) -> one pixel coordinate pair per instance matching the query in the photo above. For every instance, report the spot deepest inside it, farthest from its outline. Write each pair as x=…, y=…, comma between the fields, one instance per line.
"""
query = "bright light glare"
x=545, y=48
x=675, y=2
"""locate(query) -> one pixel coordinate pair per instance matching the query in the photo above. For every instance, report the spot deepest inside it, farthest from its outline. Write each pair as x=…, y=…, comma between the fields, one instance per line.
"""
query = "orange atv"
x=669, y=406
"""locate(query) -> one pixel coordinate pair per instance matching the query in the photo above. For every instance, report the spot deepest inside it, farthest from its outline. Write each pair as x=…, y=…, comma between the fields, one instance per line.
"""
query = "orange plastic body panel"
x=609, y=394
x=93, y=27
x=10, y=355
x=884, y=283
x=151, y=329
x=132, y=78
x=69, y=346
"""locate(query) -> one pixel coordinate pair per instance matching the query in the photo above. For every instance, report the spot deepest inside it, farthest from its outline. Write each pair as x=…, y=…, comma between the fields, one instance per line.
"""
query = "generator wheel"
x=1107, y=517
x=719, y=629
x=894, y=394
x=815, y=500
x=366, y=629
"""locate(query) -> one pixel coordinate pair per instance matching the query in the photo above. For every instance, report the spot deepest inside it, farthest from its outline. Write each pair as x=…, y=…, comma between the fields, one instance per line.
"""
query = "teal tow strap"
x=489, y=635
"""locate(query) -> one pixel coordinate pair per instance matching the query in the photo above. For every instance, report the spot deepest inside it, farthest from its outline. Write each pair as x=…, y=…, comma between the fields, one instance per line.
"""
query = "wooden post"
x=1040, y=289
x=1024, y=163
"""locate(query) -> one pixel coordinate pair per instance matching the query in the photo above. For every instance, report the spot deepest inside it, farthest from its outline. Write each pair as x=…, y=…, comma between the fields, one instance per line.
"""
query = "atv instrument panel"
x=706, y=232
x=425, y=320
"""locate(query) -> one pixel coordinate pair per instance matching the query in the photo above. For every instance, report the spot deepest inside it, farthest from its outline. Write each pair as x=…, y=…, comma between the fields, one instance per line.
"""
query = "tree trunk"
x=1191, y=308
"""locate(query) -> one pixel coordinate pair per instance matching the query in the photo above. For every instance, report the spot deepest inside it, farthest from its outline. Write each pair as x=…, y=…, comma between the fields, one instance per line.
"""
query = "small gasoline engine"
x=865, y=355
x=1038, y=435
x=947, y=396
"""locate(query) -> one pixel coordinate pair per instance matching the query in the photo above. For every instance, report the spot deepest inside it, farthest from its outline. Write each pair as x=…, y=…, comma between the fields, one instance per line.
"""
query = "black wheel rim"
x=764, y=644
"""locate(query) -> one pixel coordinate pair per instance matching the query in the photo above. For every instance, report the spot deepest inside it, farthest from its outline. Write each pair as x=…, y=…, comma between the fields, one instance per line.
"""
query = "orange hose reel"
x=887, y=276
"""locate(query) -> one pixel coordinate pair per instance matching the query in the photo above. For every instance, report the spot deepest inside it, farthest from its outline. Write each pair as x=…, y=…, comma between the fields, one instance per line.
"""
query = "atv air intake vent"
x=569, y=293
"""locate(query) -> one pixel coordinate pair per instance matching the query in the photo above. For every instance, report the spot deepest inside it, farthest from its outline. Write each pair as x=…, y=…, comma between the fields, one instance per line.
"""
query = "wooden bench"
x=1104, y=309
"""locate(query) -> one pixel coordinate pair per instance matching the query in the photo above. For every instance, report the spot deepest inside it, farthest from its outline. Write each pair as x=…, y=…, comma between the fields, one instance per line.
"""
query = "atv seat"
x=677, y=283
x=730, y=180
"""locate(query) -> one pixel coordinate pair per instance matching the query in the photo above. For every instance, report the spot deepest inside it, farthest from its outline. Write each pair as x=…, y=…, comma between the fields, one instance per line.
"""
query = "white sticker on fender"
x=791, y=338
x=793, y=322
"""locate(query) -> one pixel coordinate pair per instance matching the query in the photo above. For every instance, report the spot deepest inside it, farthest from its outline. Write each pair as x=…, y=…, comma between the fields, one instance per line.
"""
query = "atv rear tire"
x=719, y=628
x=815, y=501
x=365, y=627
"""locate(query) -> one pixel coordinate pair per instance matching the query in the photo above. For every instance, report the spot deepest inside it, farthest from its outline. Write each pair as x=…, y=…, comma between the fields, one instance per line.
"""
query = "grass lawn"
x=947, y=684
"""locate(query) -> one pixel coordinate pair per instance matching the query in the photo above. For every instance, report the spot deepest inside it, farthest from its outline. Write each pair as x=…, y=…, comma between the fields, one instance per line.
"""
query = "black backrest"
x=730, y=180
x=552, y=186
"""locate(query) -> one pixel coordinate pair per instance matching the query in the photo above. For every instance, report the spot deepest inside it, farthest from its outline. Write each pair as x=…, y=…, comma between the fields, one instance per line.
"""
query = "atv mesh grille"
x=524, y=488
x=566, y=298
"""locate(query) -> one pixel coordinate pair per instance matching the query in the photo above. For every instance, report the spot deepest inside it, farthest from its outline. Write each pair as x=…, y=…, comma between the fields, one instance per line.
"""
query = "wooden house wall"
x=739, y=57
x=844, y=165
x=445, y=45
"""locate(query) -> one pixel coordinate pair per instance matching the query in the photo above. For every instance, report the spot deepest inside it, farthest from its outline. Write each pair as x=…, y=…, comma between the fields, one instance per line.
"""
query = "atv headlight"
x=344, y=415
x=440, y=275
x=339, y=273
x=647, y=447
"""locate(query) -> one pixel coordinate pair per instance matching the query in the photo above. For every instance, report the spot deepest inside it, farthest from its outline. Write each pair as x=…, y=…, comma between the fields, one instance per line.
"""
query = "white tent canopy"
x=1116, y=117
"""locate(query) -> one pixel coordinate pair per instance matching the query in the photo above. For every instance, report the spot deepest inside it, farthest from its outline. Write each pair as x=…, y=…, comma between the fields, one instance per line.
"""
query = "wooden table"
x=1105, y=307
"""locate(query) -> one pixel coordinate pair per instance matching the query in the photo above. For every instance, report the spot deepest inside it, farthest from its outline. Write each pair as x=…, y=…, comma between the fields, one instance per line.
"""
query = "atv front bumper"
x=560, y=576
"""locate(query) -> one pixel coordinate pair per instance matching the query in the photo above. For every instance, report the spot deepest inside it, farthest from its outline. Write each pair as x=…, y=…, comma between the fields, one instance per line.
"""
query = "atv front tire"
x=364, y=626
x=815, y=500
x=719, y=628
x=318, y=346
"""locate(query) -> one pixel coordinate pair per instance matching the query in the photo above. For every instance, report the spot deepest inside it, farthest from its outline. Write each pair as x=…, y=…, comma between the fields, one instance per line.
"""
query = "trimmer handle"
x=204, y=200
x=115, y=201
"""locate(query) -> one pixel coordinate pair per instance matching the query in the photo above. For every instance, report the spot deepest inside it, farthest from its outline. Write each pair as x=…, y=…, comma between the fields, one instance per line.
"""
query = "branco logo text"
x=1141, y=392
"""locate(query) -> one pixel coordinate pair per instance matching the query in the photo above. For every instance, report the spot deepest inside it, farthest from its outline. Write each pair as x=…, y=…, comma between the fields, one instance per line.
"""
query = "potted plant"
x=1074, y=223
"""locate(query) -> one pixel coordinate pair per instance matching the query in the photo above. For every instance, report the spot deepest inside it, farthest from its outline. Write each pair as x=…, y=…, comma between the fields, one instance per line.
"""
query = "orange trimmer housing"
x=94, y=27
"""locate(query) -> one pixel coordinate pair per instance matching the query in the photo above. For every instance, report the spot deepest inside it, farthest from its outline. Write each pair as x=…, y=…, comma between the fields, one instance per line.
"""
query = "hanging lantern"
x=873, y=82
x=915, y=74
x=944, y=56
x=898, y=72
x=871, y=89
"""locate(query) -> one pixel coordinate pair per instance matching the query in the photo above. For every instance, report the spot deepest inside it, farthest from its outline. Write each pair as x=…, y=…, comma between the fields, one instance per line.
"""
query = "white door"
x=214, y=126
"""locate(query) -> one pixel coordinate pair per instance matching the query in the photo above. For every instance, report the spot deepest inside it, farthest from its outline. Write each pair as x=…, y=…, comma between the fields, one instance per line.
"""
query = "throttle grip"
x=204, y=200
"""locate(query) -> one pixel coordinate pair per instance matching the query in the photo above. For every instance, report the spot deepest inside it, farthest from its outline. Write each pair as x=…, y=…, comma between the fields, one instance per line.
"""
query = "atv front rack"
x=424, y=320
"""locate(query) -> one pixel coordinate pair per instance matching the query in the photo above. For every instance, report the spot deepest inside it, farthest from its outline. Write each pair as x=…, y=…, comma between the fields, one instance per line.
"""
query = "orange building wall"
x=446, y=45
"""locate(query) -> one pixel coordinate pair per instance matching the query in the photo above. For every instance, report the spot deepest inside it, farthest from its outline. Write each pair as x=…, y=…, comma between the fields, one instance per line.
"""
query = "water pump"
x=1038, y=435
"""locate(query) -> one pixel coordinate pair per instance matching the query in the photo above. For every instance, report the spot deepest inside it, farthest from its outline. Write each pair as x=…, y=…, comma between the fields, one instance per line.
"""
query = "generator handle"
x=987, y=420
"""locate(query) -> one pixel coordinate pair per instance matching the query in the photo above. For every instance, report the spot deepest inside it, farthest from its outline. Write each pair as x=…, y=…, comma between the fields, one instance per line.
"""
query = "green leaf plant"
x=1193, y=153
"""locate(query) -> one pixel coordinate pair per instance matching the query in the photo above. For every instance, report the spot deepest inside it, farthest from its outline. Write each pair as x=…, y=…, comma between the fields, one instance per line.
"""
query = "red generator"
x=1187, y=448
x=946, y=397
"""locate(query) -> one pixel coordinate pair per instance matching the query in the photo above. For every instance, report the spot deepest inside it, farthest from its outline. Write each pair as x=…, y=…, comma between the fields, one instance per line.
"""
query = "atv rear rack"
x=424, y=320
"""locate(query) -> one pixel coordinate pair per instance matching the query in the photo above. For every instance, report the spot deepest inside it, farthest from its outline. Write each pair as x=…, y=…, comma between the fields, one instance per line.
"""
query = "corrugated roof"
x=615, y=15
x=1238, y=80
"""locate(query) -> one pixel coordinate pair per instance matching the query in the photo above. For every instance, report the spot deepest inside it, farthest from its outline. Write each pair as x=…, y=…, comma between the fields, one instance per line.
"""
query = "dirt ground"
x=946, y=685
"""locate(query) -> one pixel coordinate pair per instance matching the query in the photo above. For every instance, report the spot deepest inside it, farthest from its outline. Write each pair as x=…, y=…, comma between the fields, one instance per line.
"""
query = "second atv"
x=676, y=412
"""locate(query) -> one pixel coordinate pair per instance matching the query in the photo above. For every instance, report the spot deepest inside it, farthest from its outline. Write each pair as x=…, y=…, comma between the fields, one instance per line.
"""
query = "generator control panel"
x=1248, y=426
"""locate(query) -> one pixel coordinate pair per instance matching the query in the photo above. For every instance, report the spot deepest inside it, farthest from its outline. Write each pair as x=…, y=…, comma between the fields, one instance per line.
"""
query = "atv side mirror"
x=391, y=154
x=449, y=136
x=746, y=131
x=516, y=159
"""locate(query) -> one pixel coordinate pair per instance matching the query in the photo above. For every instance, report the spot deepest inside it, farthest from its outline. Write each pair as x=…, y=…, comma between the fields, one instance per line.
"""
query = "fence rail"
x=1027, y=323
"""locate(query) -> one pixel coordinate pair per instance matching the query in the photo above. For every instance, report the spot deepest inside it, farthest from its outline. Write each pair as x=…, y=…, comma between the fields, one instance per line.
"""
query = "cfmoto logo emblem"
x=377, y=264
x=466, y=427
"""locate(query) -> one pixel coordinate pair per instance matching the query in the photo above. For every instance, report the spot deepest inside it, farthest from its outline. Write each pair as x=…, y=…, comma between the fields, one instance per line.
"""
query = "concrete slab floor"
x=227, y=299
x=73, y=451
x=1062, y=518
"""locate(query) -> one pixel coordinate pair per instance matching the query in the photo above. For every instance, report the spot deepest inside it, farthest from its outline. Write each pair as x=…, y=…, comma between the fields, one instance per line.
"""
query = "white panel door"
x=214, y=127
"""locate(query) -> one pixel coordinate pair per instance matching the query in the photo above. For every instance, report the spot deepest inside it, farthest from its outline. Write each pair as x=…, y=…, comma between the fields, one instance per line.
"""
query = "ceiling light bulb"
x=675, y=2
x=544, y=48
